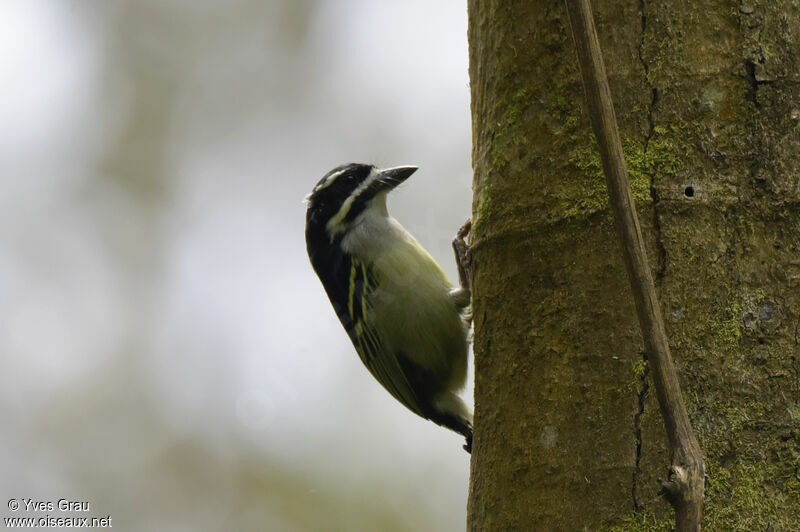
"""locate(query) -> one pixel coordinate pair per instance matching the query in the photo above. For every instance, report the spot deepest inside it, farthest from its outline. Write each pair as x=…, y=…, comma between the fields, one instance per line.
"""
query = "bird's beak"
x=391, y=177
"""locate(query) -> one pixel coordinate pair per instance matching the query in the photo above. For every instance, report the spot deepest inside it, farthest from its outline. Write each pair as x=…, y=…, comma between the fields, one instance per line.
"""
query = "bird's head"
x=347, y=191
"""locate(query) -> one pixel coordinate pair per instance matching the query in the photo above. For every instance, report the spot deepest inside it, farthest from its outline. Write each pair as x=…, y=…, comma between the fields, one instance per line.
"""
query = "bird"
x=407, y=322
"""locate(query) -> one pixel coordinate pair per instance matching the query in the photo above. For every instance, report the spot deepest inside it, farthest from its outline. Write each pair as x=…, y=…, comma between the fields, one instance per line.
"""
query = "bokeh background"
x=166, y=352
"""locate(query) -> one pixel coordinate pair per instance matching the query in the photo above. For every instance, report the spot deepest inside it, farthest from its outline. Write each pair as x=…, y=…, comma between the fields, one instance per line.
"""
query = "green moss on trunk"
x=707, y=95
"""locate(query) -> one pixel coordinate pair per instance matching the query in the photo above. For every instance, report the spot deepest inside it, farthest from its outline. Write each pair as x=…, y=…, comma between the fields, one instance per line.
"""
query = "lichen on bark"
x=714, y=158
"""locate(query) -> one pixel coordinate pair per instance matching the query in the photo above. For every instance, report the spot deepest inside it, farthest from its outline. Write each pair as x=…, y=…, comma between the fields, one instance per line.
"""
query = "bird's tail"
x=453, y=413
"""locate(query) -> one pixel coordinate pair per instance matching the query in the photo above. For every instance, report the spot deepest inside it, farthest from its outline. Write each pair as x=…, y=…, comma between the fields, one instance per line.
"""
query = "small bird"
x=408, y=324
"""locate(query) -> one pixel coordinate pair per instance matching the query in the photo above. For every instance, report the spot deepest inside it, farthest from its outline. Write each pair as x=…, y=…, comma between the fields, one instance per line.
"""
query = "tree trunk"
x=708, y=102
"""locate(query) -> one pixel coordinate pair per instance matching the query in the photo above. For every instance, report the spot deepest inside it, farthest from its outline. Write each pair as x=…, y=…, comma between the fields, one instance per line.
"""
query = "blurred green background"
x=167, y=353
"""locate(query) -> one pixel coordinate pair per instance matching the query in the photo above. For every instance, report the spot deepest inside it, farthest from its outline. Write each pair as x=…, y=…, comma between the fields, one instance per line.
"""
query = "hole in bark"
x=688, y=192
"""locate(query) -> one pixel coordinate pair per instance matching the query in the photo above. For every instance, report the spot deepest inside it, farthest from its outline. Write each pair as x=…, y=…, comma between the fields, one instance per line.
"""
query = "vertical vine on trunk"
x=685, y=486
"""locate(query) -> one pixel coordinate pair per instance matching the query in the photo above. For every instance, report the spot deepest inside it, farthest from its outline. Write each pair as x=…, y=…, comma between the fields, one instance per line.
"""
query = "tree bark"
x=685, y=486
x=708, y=101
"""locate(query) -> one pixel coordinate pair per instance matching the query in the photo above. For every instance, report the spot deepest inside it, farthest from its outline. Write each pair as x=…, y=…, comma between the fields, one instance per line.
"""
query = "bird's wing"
x=384, y=364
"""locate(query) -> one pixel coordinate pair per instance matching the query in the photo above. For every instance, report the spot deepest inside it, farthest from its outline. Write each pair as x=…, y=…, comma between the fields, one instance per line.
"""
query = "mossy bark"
x=707, y=95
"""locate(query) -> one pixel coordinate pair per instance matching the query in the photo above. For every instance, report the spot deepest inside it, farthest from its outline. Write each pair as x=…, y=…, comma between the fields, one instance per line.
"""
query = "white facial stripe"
x=334, y=225
x=330, y=180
